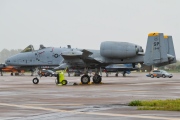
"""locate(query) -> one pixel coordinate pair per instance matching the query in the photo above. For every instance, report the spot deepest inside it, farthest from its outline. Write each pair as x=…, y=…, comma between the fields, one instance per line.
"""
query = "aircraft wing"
x=100, y=60
x=86, y=53
x=76, y=53
x=71, y=54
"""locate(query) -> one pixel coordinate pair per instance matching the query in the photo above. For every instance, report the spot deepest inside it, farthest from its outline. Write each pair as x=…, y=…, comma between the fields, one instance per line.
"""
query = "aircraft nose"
x=8, y=61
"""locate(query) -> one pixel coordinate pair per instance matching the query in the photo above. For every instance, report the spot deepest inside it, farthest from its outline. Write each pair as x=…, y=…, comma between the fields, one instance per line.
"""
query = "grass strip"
x=167, y=105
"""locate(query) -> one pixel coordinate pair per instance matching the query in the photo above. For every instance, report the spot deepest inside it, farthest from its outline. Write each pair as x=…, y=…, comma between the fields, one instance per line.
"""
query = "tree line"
x=172, y=67
x=5, y=53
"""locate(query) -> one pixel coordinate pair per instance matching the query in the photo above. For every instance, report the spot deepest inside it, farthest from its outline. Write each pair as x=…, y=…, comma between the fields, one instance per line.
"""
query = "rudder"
x=170, y=49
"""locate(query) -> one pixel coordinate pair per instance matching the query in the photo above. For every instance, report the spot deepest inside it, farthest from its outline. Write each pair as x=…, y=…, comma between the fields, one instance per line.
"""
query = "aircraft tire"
x=85, y=79
x=116, y=75
x=35, y=80
x=97, y=79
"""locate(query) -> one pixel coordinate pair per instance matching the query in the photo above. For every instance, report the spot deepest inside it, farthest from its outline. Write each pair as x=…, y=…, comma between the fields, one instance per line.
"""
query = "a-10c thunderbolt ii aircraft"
x=159, y=52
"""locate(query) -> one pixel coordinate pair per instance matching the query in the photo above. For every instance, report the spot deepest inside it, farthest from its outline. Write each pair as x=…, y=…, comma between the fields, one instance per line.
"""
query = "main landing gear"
x=97, y=79
x=85, y=79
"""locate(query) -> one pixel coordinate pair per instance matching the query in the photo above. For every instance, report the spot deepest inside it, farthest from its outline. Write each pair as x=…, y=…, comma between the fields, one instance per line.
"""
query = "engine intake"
x=119, y=49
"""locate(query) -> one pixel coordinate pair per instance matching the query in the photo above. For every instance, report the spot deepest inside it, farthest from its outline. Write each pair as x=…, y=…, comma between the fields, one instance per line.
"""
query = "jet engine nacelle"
x=119, y=49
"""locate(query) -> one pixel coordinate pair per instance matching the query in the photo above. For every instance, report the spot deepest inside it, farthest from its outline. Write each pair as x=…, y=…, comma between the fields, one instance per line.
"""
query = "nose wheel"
x=35, y=80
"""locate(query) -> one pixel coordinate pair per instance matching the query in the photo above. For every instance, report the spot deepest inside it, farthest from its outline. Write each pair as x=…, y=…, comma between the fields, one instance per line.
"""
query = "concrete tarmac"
x=20, y=99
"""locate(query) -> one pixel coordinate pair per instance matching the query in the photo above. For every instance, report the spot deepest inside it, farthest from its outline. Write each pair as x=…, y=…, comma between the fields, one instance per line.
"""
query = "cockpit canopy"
x=31, y=48
x=41, y=47
x=28, y=49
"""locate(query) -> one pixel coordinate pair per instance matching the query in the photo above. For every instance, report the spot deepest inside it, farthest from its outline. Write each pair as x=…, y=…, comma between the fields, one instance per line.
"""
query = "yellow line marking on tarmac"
x=88, y=113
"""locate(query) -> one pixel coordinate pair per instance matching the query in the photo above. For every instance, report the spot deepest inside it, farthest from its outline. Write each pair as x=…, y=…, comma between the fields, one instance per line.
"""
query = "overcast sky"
x=86, y=23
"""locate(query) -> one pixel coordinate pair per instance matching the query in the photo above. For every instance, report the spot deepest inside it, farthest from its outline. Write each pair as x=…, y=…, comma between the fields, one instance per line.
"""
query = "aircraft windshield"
x=41, y=47
x=28, y=49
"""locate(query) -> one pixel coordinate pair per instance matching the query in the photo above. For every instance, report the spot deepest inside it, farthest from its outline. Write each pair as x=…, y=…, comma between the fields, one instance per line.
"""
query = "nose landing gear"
x=35, y=80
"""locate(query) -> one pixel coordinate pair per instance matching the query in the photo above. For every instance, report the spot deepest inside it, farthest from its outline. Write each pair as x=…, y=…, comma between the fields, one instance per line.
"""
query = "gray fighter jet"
x=159, y=52
x=123, y=68
x=1, y=67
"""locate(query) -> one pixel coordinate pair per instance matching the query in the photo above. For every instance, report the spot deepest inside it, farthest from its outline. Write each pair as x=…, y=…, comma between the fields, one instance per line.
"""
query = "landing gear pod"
x=35, y=80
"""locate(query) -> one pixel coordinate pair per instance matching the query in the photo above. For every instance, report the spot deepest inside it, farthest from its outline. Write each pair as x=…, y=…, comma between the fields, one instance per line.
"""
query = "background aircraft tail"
x=170, y=48
x=159, y=50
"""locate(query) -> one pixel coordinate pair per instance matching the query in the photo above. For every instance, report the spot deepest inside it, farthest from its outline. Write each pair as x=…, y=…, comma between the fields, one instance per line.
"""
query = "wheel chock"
x=85, y=84
x=90, y=83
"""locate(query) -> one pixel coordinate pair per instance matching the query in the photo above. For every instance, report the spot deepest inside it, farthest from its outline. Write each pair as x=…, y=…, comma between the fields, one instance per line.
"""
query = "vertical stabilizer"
x=170, y=49
x=158, y=51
